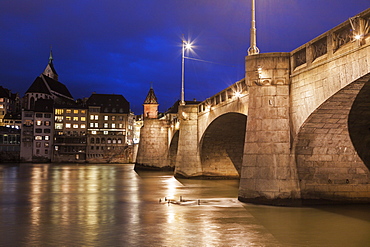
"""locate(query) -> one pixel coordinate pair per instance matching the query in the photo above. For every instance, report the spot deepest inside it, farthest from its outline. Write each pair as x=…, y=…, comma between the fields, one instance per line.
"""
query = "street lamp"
x=185, y=46
x=253, y=49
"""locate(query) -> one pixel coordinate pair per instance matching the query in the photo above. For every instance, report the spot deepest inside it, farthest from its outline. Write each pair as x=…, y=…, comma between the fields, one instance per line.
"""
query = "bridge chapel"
x=151, y=105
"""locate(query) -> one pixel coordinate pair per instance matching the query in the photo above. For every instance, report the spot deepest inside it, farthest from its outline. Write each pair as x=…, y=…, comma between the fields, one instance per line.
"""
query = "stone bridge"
x=296, y=129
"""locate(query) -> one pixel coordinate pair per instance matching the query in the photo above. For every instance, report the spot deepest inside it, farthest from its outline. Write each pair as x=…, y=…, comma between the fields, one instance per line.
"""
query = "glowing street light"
x=185, y=46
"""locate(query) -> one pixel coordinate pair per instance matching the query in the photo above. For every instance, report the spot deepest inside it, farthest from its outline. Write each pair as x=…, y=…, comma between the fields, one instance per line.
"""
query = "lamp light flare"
x=188, y=46
x=358, y=37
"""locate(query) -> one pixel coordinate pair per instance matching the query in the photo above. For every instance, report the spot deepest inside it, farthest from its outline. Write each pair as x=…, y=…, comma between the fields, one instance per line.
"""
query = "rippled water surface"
x=112, y=205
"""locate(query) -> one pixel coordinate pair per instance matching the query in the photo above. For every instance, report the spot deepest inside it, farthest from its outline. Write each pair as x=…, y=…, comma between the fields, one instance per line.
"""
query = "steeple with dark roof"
x=151, y=98
x=50, y=70
x=151, y=105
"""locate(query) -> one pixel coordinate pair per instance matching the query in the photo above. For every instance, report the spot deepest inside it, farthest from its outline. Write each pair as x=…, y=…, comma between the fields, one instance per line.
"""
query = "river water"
x=112, y=205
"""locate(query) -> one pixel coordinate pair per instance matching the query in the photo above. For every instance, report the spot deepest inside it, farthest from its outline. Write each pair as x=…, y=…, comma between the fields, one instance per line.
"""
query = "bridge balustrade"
x=236, y=90
x=338, y=41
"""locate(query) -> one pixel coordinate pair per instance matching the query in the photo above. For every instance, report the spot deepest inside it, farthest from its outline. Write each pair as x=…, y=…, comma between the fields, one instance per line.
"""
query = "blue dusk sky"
x=122, y=46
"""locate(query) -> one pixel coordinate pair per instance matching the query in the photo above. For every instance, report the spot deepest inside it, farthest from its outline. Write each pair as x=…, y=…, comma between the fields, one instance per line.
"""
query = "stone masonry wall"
x=329, y=167
x=268, y=175
x=153, y=148
x=187, y=159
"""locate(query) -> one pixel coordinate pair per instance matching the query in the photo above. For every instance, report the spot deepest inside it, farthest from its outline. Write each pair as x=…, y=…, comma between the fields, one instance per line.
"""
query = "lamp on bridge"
x=186, y=45
x=253, y=49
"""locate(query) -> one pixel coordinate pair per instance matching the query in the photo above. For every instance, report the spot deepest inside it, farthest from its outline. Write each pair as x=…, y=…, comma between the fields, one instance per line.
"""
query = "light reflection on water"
x=112, y=205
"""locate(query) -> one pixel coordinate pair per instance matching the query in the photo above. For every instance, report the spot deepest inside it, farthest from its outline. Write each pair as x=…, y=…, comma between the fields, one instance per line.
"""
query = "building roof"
x=38, y=86
x=151, y=98
x=4, y=92
x=47, y=85
x=109, y=103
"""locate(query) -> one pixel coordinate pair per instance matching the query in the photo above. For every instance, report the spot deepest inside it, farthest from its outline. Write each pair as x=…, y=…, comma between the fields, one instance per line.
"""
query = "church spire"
x=50, y=70
x=51, y=56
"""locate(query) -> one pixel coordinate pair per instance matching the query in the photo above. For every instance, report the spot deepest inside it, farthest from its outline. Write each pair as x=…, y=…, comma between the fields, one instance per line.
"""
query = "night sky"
x=122, y=46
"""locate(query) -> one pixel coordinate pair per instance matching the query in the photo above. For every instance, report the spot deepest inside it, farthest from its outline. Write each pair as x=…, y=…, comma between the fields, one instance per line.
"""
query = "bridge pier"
x=269, y=174
x=153, y=148
x=188, y=162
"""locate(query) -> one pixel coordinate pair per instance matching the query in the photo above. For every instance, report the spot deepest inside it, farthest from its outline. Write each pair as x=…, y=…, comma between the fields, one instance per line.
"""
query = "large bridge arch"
x=222, y=145
x=332, y=146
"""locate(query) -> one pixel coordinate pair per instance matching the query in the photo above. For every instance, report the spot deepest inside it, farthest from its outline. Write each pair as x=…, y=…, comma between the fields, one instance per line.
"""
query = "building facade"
x=110, y=129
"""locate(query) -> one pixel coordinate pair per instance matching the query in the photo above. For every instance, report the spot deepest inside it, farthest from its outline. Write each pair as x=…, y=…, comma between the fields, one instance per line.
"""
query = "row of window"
x=38, y=144
x=40, y=115
x=68, y=111
x=106, y=118
x=40, y=138
x=38, y=131
x=46, y=151
x=59, y=126
x=109, y=140
x=59, y=119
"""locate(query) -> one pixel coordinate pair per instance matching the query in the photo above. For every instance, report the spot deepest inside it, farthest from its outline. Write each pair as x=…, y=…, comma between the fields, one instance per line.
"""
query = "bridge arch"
x=332, y=146
x=172, y=150
x=222, y=144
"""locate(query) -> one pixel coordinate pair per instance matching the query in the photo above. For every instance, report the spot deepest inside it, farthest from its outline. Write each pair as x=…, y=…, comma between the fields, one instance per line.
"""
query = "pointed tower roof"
x=151, y=98
x=50, y=70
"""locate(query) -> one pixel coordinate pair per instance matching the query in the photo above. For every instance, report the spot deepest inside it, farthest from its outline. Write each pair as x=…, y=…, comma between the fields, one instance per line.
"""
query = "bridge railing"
x=238, y=89
x=351, y=34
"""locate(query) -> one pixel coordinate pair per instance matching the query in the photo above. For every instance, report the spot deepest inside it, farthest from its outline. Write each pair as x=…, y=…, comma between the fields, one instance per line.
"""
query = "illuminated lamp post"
x=187, y=46
x=253, y=49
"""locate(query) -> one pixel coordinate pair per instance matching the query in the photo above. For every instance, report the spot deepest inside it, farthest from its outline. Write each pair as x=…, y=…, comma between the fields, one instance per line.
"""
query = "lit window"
x=83, y=126
x=46, y=144
x=105, y=133
x=47, y=123
x=96, y=117
x=91, y=125
x=39, y=122
x=109, y=140
x=105, y=125
x=113, y=118
x=113, y=125
x=75, y=126
x=68, y=125
x=93, y=132
x=75, y=111
x=120, y=126
x=83, y=118
x=68, y=118
x=105, y=118
x=59, y=119
x=91, y=117
x=68, y=111
x=96, y=125
x=59, y=111
x=83, y=111
x=75, y=118
x=58, y=126
x=114, y=140
x=119, y=140
x=38, y=138
x=46, y=138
